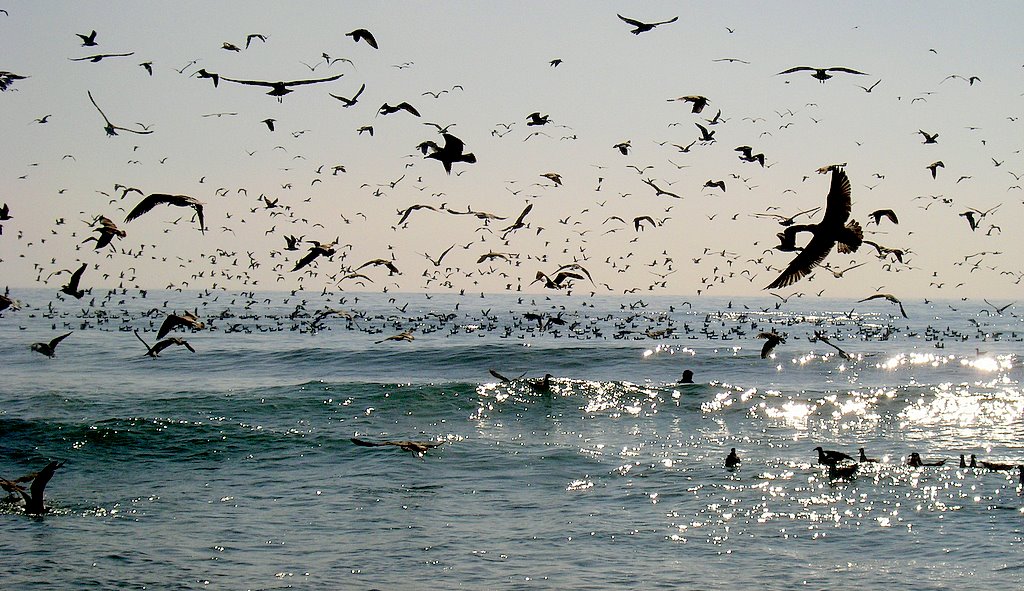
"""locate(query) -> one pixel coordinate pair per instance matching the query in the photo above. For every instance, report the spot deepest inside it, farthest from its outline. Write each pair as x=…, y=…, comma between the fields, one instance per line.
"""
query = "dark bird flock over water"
x=618, y=225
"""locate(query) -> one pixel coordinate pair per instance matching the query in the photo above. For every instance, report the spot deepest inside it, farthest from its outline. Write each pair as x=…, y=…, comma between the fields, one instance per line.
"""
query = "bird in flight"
x=787, y=221
x=88, y=40
x=822, y=74
x=154, y=199
x=771, y=340
x=452, y=151
x=110, y=128
x=878, y=214
x=644, y=27
x=72, y=288
x=887, y=296
x=279, y=89
x=416, y=447
x=348, y=102
x=363, y=35
x=316, y=250
x=155, y=350
x=387, y=109
x=49, y=349
x=699, y=102
x=100, y=56
x=173, y=321
x=831, y=230
x=8, y=78
x=934, y=167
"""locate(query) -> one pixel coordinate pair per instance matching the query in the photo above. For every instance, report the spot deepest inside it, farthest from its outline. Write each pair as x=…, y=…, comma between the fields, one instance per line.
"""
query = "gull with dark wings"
x=110, y=128
x=832, y=230
x=155, y=350
x=279, y=89
x=822, y=74
x=154, y=199
x=642, y=27
x=453, y=151
x=186, y=318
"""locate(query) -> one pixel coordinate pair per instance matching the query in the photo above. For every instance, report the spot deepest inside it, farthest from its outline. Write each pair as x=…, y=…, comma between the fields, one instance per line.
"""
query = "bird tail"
x=851, y=238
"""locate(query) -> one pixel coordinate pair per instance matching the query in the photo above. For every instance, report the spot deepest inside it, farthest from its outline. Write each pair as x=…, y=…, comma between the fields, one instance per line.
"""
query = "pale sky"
x=490, y=62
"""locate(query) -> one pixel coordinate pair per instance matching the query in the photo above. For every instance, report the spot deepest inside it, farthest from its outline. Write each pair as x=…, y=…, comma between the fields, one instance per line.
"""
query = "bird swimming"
x=732, y=460
x=33, y=497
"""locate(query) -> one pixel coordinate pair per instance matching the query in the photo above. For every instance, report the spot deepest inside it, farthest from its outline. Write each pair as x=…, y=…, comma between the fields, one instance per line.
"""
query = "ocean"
x=234, y=468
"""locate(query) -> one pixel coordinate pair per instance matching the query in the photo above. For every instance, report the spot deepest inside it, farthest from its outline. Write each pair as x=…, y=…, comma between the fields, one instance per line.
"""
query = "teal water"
x=232, y=468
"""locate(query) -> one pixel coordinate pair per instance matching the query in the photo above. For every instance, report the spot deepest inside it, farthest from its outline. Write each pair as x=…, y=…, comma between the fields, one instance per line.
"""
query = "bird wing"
x=408, y=107
x=76, y=277
x=452, y=143
x=847, y=70
x=41, y=479
x=811, y=256
x=633, y=22
x=170, y=323
x=797, y=69
x=314, y=81
x=365, y=443
x=767, y=348
x=838, y=202
x=498, y=375
x=57, y=340
x=312, y=254
x=874, y=297
x=147, y=203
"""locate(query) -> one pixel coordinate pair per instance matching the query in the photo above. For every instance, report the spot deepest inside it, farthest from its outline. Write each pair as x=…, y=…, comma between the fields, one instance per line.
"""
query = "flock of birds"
x=506, y=247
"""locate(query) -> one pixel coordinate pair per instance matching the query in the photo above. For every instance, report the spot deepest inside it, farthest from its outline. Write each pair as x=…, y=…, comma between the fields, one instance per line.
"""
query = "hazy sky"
x=490, y=62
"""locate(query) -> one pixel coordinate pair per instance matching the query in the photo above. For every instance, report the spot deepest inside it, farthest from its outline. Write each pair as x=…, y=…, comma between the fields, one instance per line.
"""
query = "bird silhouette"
x=173, y=321
x=100, y=57
x=49, y=349
x=889, y=297
x=453, y=151
x=417, y=447
x=279, y=89
x=831, y=230
x=699, y=102
x=771, y=340
x=934, y=166
x=8, y=78
x=387, y=109
x=878, y=214
x=315, y=251
x=109, y=127
x=154, y=199
x=72, y=288
x=88, y=40
x=363, y=35
x=732, y=460
x=642, y=27
x=34, y=496
x=348, y=102
x=822, y=74
x=155, y=350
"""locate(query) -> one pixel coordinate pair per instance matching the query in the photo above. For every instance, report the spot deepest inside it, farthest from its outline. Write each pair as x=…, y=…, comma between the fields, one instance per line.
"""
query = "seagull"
x=889, y=297
x=279, y=89
x=8, y=78
x=110, y=128
x=49, y=349
x=364, y=35
x=831, y=230
x=536, y=118
x=108, y=230
x=934, y=166
x=644, y=27
x=878, y=214
x=348, y=102
x=88, y=40
x=787, y=221
x=929, y=138
x=34, y=496
x=772, y=339
x=387, y=109
x=822, y=74
x=417, y=447
x=174, y=321
x=699, y=102
x=100, y=56
x=406, y=336
x=451, y=152
x=72, y=288
x=154, y=199
x=316, y=250
x=155, y=350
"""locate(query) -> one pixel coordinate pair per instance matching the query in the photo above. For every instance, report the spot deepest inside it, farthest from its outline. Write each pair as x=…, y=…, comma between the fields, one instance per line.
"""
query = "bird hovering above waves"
x=832, y=230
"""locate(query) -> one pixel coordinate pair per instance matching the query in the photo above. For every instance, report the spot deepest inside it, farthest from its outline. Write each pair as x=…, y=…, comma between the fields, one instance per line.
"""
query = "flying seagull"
x=49, y=349
x=174, y=321
x=417, y=447
x=348, y=102
x=155, y=350
x=110, y=128
x=822, y=74
x=72, y=288
x=831, y=230
x=363, y=35
x=889, y=297
x=279, y=89
x=154, y=199
x=451, y=152
x=644, y=27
